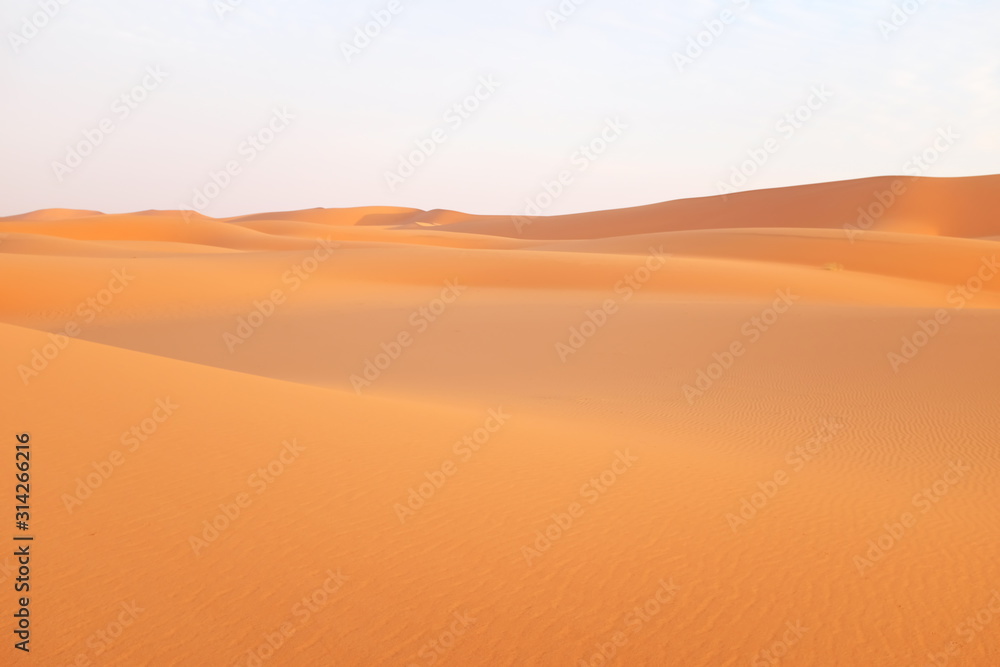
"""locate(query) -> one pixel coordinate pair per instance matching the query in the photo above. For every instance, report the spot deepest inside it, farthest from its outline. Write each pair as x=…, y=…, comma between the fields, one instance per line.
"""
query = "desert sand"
x=757, y=429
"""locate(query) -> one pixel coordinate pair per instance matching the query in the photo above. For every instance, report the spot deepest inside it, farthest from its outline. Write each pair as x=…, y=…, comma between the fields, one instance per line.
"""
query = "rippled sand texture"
x=743, y=430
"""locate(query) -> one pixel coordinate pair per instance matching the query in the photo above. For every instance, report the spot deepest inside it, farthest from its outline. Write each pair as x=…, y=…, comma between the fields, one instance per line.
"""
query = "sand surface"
x=759, y=429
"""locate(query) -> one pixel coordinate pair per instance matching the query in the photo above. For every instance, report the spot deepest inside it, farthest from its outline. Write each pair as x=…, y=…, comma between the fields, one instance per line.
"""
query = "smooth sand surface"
x=744, y=430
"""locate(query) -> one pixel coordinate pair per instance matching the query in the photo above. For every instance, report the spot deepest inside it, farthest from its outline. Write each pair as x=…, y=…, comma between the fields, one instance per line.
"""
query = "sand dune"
x=721, y=431
x=941, y=206
x=54, y=214
x=372, y=215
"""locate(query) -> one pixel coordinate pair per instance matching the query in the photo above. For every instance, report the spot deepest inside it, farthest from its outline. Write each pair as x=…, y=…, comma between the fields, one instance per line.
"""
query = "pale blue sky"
x=685, y=130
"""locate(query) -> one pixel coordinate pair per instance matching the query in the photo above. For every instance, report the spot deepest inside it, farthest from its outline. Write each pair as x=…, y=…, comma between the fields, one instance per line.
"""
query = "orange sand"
x=719, y=431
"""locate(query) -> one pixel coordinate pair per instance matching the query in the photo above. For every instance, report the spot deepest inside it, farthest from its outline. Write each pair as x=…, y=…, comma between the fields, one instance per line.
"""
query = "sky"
x=228, y=107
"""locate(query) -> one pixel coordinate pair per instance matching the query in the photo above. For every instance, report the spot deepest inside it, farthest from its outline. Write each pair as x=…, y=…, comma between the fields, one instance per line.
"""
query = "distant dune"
x=711, y=431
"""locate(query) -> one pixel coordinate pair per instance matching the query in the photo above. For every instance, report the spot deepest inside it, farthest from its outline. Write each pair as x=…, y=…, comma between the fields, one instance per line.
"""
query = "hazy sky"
x=123, y=105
